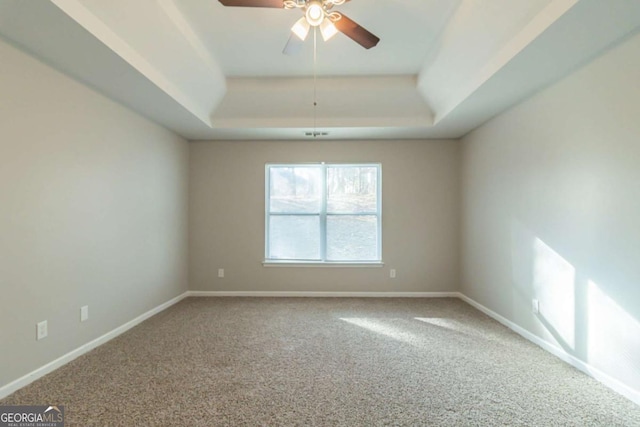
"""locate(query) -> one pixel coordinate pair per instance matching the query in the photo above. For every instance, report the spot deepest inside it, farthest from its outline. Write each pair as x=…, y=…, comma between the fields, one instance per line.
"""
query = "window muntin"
x=323, y=213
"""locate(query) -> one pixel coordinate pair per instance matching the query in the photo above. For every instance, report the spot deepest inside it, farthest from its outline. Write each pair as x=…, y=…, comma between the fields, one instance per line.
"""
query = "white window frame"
x=323, y=261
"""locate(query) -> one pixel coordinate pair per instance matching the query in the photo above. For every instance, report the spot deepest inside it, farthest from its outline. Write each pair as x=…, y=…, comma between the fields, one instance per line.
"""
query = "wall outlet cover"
x=42, y=330
x=84, y=313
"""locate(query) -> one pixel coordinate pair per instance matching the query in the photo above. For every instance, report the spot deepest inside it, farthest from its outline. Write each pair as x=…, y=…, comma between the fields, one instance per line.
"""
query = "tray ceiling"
x=206, y=71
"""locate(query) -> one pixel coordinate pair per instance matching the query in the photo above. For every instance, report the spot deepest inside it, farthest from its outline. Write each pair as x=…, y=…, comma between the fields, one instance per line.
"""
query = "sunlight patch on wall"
x=554, y=286
x=613, y=338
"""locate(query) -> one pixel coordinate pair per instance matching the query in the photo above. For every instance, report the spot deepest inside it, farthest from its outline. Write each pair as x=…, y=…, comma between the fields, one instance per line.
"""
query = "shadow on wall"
x=575, y=311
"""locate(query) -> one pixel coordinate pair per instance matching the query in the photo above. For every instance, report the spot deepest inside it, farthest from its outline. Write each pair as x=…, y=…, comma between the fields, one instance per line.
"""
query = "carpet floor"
x=324, y=362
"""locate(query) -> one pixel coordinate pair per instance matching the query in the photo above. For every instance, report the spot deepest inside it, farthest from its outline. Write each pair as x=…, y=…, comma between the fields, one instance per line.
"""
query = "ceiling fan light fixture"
x=301, y=28
x=327, y=29
x=314, y=13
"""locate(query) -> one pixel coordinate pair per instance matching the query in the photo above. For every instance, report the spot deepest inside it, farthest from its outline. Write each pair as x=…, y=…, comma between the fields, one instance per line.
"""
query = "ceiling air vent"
x=315, y=134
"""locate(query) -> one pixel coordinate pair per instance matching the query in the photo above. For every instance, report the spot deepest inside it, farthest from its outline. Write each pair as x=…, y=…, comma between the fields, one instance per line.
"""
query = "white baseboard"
x=85, y=348
x=310, y=294
x=62, y=360
x=612, y=383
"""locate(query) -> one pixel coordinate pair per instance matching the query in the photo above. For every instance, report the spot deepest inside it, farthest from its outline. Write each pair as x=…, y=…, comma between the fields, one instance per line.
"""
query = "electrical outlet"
x=84, y=313
x=535, y=306
x=392, y=273
x=41, y=330
x=221, y=272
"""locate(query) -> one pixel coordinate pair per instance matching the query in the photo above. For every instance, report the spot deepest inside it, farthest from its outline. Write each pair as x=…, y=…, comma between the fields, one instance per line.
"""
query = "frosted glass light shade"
x=301, y=28
x=315, y=13
x=327, y=29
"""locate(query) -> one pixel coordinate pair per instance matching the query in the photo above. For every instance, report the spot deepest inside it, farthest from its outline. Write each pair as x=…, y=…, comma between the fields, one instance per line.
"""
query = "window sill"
x=330, y=264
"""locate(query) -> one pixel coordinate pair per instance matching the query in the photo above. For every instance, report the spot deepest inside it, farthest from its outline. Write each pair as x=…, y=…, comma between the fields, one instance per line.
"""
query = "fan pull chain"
x=315, y=90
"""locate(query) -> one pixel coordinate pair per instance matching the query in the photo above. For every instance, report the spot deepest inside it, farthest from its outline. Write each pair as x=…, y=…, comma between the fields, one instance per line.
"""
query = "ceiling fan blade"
x=254, y=3
x=357, y=33
x=293, y=46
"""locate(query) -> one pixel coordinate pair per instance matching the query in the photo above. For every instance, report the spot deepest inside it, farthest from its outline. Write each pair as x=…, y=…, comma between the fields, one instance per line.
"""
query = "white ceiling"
x=248, y=41
x=207, y=71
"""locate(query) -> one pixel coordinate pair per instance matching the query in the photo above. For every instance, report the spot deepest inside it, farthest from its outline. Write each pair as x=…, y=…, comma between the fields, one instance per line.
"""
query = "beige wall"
x=551, y=211
x=420, y=216
x=93, y=204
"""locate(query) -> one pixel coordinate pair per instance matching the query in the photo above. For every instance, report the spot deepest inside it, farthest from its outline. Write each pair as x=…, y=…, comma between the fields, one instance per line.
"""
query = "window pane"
x=352, y=189
x=294, y=237
x=295, y=189
x=351, y=238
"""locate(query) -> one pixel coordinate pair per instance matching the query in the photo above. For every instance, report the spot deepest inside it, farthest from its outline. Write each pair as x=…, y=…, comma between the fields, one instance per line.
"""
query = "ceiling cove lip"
x=109, y=36
x=198, y=101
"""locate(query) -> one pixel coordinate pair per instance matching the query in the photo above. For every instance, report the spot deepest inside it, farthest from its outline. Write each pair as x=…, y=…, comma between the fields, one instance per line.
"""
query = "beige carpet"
x=325, y=362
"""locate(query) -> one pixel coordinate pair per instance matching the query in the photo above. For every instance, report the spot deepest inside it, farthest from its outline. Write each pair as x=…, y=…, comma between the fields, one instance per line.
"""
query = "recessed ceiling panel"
x=249, y=41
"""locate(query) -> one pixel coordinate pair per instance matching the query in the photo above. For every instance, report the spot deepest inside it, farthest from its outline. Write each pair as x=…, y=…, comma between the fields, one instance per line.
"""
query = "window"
x=323, y=213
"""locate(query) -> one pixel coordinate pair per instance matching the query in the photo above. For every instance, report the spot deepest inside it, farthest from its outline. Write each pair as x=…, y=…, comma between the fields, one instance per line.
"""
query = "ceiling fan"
x=317, y=13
